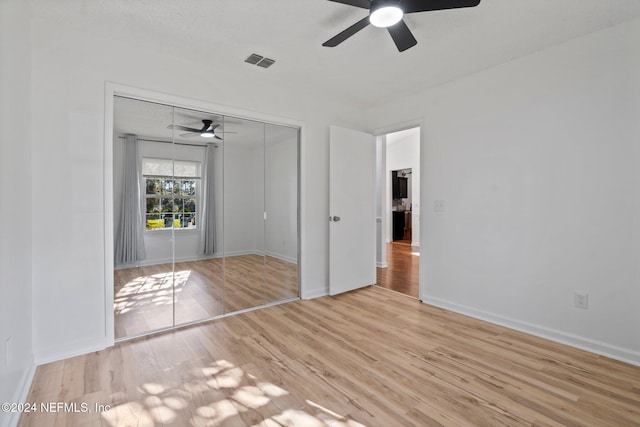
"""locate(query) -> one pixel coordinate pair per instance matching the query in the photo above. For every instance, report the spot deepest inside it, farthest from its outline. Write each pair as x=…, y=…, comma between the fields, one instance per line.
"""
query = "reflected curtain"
x=208, y=217
x=130, y=236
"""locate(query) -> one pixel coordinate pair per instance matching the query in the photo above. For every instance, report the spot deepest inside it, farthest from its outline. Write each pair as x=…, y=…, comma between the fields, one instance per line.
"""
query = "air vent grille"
x=266, y=63
x=259, y=60
x=254, y=58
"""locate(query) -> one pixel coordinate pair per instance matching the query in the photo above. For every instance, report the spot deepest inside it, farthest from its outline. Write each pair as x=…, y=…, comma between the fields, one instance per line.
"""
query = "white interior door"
x=352, y=258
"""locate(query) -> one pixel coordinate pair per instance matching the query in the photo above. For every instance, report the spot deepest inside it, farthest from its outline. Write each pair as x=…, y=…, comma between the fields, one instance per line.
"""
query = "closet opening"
x=205, y=215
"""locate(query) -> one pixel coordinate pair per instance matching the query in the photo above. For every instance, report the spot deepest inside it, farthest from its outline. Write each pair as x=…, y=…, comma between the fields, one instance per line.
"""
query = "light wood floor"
x=144, y=296
x=401, y=275
x=366, y=358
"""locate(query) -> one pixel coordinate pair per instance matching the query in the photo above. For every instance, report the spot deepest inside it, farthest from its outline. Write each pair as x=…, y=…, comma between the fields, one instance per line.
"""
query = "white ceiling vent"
x=259, y=60
x=266, y=63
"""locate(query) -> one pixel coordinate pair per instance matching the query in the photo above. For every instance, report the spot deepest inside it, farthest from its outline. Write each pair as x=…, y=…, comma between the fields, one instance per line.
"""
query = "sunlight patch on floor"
x=251, y=397
x=152, y=388
x=243, y=395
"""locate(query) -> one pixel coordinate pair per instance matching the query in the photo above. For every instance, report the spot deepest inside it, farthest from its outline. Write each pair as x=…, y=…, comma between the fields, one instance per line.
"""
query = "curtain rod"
x=172, y=142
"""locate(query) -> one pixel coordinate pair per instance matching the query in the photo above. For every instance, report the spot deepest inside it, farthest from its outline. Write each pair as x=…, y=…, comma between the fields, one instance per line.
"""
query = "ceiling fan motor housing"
x=385, y=13
x=377, y=4
x=206, y=124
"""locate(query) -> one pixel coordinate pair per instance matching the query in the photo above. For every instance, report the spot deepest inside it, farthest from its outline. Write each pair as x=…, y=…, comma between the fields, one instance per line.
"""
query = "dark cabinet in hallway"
x=398, y=225
x=401, y=225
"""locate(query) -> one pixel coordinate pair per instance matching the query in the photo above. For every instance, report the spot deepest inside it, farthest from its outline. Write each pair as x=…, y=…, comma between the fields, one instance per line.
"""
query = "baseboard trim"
x=382, y=265
x=13, y=418
x=281, y=257
x=593, y=346
x=146, y=263
x=315, y=293
x=55, y=356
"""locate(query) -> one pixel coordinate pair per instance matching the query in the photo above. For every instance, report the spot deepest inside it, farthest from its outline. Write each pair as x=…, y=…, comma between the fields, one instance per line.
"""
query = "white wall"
x=16, y=354
x=403, y=152
x=68, y=86
x=243, y=199
x=281, y=195
x=537, y=163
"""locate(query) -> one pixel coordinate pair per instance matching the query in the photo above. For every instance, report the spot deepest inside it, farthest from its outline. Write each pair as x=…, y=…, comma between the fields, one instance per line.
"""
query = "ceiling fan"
x=388, y=14
x=206, y=131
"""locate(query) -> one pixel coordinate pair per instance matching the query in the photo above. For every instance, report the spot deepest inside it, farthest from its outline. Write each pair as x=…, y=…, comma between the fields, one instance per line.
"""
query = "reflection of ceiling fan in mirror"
x=208, y=130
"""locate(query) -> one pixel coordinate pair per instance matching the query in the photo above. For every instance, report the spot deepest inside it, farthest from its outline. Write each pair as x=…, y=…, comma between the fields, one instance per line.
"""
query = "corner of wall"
x=16, y=335
x=22, y=393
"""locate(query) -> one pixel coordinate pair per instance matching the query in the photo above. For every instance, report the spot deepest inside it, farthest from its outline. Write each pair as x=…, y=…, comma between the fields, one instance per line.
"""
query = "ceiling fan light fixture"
x=385, y=15
x=207, y=134
x=389, y=13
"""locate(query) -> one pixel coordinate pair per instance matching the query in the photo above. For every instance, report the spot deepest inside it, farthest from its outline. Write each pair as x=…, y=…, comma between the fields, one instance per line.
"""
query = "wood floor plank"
x=365, y=358
x=401, y=274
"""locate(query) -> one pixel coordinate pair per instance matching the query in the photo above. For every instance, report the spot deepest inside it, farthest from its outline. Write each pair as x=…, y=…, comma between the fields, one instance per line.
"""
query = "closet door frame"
x=115, y=89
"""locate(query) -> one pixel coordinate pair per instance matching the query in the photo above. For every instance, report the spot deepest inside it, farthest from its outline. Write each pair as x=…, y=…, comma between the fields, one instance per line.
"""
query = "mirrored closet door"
x=281, y=210
x=205, y=215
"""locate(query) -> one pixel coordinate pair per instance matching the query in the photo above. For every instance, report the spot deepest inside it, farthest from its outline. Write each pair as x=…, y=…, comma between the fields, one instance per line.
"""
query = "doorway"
x=398, y=211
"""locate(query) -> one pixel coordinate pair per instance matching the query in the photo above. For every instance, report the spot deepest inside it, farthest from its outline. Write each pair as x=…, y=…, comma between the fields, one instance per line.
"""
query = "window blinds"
x=170, y=168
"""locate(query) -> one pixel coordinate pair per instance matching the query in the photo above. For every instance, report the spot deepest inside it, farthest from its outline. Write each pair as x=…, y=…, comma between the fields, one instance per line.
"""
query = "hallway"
x=401, y=275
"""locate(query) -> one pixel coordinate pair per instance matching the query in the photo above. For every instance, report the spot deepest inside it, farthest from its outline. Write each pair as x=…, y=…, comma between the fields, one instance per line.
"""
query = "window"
x=171, y=193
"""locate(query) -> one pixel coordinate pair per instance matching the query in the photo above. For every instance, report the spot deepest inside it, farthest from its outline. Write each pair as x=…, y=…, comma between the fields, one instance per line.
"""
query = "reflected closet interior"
x=205, y=215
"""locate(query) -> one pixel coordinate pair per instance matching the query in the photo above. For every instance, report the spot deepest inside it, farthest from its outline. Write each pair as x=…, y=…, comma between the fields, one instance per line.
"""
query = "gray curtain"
x=130, y=236
x=208, y=217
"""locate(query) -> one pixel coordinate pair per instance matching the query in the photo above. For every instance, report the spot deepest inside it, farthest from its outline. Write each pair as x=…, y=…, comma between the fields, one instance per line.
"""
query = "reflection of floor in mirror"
x=144, y=296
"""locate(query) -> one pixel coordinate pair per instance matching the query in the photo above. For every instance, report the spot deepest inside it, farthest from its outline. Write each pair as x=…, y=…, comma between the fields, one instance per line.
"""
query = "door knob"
x=336, y=218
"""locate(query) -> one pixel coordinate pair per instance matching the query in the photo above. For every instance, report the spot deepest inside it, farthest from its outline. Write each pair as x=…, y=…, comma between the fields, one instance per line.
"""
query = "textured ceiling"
x=366, y=70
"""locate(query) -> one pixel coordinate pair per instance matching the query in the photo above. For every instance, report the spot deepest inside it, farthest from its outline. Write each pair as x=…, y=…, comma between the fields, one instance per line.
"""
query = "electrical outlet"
x=581, y=300
x=438, y=205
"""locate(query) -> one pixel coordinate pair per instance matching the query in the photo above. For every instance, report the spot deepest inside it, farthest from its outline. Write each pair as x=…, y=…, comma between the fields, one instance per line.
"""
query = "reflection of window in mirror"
x=171, y=194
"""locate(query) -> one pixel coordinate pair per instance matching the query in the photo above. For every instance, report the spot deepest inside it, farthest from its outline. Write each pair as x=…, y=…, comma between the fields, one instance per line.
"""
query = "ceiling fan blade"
x=184, y=128
x=189, y=135
x=336, y=40
x=217, y=137
x=402, y=36
x=411, y=6
x=365, y=4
